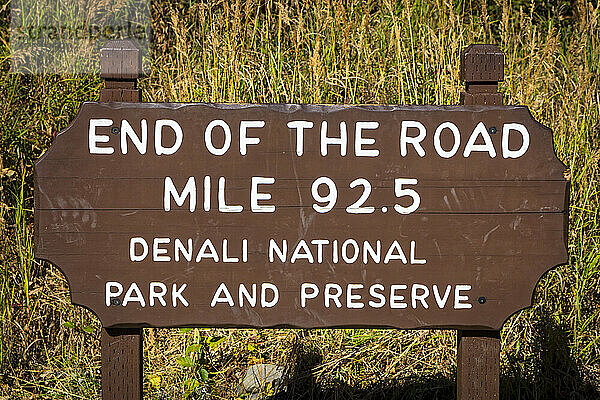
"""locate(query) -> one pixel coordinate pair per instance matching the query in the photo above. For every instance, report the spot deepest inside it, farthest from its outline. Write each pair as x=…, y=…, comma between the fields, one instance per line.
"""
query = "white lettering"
x=207, y=245
x=134, y=294
x=342, y=140
x=222, y=289
x=132, y=242
x=244, y=139
x=109, y=294
x=441, y=301
x=306, y=254
x=263, y=295
x=415, y=296
x=304, y=292
x=506, y=151
x=94, y=138
x=127, y=131
x=243, y=293
x=171, y=192
x=255, y=195
x=157, y=252
x=154, y=294
x=377, y=295
x=274, y=248
x=437, y=139
x=396, y=299
x=351, y=297
x=458, y=297
x=414, y=140
x=300, y=126
x=333, y=296
x=158, y=129
x=359, y=141
x=208, y=137
x=488, y=146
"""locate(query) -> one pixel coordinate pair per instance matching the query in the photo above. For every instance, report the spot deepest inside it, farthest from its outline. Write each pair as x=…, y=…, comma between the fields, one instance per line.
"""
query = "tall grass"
x=319, y=52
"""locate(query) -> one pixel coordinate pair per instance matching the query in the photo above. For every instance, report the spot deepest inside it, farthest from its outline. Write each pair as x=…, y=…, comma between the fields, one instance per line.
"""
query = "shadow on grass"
x=550, y=373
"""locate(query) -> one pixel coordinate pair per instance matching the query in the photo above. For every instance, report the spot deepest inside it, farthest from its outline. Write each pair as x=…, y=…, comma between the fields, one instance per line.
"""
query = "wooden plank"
x=503, y=267
x=288, y=278
x=121, y=364
x=108, y=232
x=478, y=352
x=478, y=365
x=277, y=151
x=122, y=349
x=438, y=196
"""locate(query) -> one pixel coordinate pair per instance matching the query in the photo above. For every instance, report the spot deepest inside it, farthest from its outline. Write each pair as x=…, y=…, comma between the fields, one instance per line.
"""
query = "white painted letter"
x=109, y=294
x=274, y=248
x=132, y=242
x=180, y=248
x=304, y=292
x=359, y=141
x=368, y=250
x=396, y=299
x=157, y=252
x=421, y=297
x=188, y=190
x=226, y=258
x=458, y=297
x=263, y=295
x=333, y=296
x=377, y=295
x=255, y=195
x=134, y=294
x=127, y=131
x=154, y=294
x=441, y=301
x=300, y=126
x=351, y=297
x=244, y=139
x=223, y=207
x=391, y=256
x=506, y=151
x=207, y=245
x=243, y=293
x=208, y=137
x=218, y=299
x=158, y=128
x=437, y=143
x=306, y=254
x=414, y=140
x=487, y=146
x=356, y=253
x=342, y=140
x=94, y=138
x=413, y=257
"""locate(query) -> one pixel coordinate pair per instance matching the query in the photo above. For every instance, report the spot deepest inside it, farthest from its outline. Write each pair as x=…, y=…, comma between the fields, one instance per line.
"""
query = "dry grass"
x=320, y=52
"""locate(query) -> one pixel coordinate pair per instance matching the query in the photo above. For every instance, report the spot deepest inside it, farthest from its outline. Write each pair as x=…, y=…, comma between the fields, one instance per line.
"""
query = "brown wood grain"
x=122, y=364
x=122, y=349
x=478, y=352
x=495, y=224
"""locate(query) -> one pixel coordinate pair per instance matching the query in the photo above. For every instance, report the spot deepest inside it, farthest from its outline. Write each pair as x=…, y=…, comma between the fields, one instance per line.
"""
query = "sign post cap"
x=482, y=63
x=120, y=60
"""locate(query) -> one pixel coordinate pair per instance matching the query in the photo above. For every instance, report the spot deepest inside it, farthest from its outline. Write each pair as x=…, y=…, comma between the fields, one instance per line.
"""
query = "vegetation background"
x=404, y=52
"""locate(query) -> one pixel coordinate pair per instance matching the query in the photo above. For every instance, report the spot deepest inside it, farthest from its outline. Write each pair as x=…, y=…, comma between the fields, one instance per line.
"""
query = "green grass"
x=323, y=52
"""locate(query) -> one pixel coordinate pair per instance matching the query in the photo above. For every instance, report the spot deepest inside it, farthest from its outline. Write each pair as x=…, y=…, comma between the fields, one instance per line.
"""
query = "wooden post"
x=122, y=355
x=478, y=352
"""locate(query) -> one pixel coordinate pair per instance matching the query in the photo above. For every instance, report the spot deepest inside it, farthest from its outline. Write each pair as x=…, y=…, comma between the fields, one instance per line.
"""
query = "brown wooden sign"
x=172, y=215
